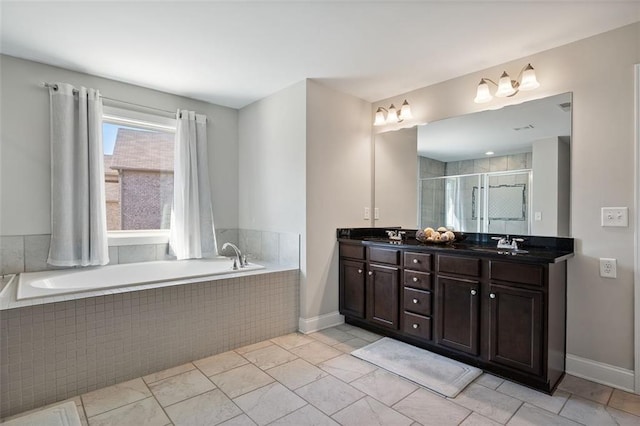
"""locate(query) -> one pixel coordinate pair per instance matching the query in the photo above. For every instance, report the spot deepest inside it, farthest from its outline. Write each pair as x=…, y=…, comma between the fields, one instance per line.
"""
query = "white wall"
x=25, y=185
x=599, y=71
x=396, y=183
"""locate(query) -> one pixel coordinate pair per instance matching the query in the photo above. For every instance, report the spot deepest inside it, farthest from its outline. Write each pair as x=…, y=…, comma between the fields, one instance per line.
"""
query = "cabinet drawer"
x=459, y=265
x=352, y=251
x=417, y=301
x=417, y=325
x=379, y=255
x=421, y=280
x=517, y=273
x=417, y=261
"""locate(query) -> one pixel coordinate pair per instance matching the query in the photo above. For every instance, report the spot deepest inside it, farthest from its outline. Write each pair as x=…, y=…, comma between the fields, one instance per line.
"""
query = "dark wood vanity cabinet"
x=505, y=316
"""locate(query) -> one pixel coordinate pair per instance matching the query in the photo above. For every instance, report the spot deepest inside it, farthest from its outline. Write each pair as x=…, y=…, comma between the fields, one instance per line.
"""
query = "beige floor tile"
x=345, y=327
x=429, y=409
x=347, y=368
x=241, y=420
x=585, y=389
x=529, y=415
x=217, y=364
x=105, y=399
x=316, y=352
x=587, y=412
x=331, y=336
x=269, y=403
x=178, y=388
x=296, y=373
x=625, y=401
x=305, y=416
x=476, y=419
x=487, y=402
x=351, y=345
x=146, y=412
x=623, y=418
x=365, y=335
x=370, y=412
x=243, y=350
x=384, y=386
x=489, y=381
x=553, y=403
x=329, y=394
x=161, y=375
x=269, y=357
x=293, y=340
x=210, y=408
x=241, y=380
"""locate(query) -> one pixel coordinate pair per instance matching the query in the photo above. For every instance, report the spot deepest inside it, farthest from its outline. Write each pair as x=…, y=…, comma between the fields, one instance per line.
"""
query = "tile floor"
x=312, y=380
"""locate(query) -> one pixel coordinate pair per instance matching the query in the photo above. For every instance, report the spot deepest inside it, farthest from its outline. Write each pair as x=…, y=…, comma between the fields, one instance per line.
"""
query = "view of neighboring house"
x=139, y=180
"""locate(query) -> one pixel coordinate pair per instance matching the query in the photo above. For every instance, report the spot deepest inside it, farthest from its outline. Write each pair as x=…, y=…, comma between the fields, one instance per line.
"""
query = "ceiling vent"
x=565, y=106
x=517, y=129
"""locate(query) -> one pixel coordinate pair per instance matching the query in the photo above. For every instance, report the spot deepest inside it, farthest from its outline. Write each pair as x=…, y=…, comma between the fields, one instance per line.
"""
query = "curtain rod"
x=75, y=91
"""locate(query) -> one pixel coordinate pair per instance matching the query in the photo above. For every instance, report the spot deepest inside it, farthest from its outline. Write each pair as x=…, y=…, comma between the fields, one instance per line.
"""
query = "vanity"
x=500, y=310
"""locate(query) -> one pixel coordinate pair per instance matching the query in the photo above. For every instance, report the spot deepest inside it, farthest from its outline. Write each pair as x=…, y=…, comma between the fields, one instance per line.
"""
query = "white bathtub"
x=51, y=283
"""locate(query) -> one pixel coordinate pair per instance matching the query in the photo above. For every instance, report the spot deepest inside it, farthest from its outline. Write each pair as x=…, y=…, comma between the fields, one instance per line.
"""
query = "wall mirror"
x=504, y=171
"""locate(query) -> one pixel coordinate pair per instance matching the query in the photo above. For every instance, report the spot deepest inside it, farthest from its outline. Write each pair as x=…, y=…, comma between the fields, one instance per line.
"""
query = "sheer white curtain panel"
x=78, y=210
x=192, y=234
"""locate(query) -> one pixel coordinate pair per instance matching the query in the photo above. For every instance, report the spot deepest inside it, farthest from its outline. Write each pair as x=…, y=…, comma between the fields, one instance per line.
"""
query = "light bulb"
x=483, y=95
x=505, y=88
x=405, y=111
x=380, y=120
x=529, y=80
x=392, y=115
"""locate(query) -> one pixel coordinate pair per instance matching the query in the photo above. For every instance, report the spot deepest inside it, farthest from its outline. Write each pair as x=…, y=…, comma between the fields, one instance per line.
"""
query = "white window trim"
x=126, y=117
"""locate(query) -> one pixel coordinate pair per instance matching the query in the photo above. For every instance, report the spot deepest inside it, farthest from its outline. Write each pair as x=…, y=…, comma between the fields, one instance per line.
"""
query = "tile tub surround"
x=59, y=350
x=28, y=253
x=274, y=382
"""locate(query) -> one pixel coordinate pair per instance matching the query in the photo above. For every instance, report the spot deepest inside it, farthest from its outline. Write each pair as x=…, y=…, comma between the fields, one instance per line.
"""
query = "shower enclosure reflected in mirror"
x=503, y=171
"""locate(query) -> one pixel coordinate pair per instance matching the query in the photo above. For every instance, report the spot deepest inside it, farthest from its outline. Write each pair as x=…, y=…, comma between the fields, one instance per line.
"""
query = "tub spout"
x=239, y=260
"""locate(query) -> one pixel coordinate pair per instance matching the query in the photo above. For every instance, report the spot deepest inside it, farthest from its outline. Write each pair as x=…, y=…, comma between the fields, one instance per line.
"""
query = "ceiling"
x=233, y=53
x=509, y=130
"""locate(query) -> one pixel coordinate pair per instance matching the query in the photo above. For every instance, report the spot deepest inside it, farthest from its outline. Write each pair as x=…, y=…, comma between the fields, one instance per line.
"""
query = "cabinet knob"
x=474, y=292
x=415, y=279
x=370, y=272
x=492, y=295
x=415, y=300
x=415, y=260
x=416, y=325
x=359, y=271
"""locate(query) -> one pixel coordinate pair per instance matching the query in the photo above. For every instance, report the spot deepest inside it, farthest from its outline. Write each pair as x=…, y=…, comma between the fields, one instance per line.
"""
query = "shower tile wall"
x=55, y=351
x=29, y=253
x=432, y=192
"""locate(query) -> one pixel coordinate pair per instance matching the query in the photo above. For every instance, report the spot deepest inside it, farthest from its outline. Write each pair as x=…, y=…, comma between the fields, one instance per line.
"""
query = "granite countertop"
x=540, y=249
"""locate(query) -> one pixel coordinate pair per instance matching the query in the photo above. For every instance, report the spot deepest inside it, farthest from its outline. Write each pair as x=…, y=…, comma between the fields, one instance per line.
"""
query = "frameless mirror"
x=502, y=171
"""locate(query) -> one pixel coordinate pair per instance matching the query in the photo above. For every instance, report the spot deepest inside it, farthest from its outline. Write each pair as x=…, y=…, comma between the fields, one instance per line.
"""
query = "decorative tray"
x=459, y=236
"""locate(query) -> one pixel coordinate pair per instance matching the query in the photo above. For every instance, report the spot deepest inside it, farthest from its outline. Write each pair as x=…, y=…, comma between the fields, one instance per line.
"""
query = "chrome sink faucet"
x=504, y=243
x=240, y=260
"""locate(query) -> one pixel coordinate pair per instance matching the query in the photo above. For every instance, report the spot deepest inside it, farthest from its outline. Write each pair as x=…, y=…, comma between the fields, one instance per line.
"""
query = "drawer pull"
x=370, y=272
x=359, y=271
x=492, y=295
x=415, y=260
x=415, y=279
x=415, y=300
x=416, y=325
x=474, y=292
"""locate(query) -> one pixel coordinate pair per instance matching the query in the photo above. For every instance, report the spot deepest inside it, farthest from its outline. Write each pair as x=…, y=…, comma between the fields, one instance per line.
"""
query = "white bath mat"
x=60, y=415
x=440, y=374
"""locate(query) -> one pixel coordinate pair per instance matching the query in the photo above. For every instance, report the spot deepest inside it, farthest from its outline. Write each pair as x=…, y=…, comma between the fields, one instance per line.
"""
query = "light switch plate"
x=537, y=216
x=608, y=268
x=615, y=216
x=376, y=213
x=367, y=213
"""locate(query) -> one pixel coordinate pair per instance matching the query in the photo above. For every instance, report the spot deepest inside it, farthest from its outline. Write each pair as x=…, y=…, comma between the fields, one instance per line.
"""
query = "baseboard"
x=600, y=372
x=309, y=325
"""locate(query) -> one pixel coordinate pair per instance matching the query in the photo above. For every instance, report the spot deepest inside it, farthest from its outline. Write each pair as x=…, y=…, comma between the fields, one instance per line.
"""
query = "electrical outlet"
x=376, y=213
x=615, y=216
x=537, y=216
x=367, y=213
x=608, y=268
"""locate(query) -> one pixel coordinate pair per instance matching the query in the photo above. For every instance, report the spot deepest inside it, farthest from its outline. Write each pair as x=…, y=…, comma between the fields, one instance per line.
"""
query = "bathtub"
x=52, y=283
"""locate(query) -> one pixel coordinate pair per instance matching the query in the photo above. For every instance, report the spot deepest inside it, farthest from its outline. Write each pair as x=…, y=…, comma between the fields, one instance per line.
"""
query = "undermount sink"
x=504, y=251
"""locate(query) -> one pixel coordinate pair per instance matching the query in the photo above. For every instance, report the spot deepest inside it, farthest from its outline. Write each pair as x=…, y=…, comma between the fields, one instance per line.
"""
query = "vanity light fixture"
x=506, y=87
x=392, y=114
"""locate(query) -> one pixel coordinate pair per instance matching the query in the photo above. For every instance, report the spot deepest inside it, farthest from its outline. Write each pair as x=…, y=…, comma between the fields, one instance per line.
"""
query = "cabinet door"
x=515, y=328
x=352, y=288
x=382, y=295
x=458, y=314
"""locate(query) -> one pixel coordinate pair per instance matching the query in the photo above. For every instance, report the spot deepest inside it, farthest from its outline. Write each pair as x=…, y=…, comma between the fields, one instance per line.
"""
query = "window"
x=138, y=170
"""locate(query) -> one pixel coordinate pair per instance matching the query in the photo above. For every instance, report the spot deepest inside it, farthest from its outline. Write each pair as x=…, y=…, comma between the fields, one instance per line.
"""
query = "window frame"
x=133, y=118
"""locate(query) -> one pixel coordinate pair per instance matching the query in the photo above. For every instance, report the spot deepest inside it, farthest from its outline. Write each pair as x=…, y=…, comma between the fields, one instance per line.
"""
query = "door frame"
x=636, y=248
